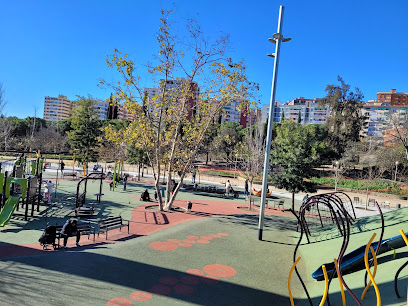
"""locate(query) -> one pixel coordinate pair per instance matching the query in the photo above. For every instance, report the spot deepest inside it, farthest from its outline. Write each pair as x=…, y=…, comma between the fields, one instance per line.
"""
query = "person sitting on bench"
x=145, y=196
x=69, y=230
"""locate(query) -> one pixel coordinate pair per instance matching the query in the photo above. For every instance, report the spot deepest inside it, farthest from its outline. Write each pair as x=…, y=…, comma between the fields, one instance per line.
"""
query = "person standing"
x=50, y=187
x=246, y=187
x=125, y=178
x=70, y=229
x=227, y=187
x=193, y=175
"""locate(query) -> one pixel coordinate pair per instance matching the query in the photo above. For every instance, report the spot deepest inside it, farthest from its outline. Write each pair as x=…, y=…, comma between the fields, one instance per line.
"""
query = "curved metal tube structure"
x=379, y=241
x=400, y=269
x=377, y=291
x=335, y=202
x=289, y=278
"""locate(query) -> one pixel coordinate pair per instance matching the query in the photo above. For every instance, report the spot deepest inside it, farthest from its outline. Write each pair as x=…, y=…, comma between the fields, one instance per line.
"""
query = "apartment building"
x=57, y=108
x=378, y=116
x=392, y=98
x=309, y=111
x=174, y=85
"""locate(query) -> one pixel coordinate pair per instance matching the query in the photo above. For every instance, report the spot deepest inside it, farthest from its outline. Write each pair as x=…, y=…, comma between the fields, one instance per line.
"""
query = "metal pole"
x=270, y=124
x=396, y=169
x=337, y=171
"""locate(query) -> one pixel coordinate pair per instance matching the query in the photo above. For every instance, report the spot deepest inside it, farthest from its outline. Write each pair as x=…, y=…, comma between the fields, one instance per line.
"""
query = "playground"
x=209, y=256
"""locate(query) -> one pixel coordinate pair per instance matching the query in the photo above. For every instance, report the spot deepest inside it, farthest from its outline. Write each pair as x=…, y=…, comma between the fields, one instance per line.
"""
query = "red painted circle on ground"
x=190, y=280
x=173, y=240
x=220, y=270
x=202, y=241
x=208, y=279
x=163, y=246
x=223, y=234
x=185, y=245
x=206, y=237
x=189, y=241
x=183, y=289
x=160, y=289
x=195, y=272
x=168, y=280
x=141, y=296
x=215, y=236
x=119, y=301
x=192, y=237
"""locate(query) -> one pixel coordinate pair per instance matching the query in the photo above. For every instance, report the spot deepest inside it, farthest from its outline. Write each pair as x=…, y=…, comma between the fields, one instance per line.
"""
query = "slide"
x=8, y=209
x=354, y=260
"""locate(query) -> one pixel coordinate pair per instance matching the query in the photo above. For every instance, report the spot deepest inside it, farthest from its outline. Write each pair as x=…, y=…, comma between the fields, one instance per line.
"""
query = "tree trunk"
x=293, y=201
x=206, y=159
x=366, y=206
x=138, y=173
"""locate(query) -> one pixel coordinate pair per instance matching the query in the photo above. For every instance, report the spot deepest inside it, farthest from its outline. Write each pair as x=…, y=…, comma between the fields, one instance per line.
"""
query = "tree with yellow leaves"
x=171, y=123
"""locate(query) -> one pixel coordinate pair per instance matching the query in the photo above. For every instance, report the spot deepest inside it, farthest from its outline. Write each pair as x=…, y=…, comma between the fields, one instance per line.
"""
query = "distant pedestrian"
x=62, y=165
x=227, y=187
x=125, y=178
x=193, y=175
x=189, y=206
x=110, y=185
x=305, y=198
x=49, y=188
x=246, y=187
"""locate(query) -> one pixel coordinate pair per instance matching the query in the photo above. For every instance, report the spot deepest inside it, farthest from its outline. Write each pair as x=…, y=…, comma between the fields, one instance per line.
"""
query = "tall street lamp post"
x=396, y=169
x=277, y=39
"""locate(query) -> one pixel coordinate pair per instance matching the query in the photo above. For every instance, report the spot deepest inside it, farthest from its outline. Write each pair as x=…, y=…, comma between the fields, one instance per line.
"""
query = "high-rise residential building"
x=57, y=108
x=392, y=98
x=154, y=92
x=236, y=111
x=378, y=117
x=309, y=111
x=101, y=108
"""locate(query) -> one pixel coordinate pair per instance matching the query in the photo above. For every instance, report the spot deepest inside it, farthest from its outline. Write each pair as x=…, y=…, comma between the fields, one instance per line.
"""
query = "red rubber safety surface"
x=202, y=241
x=220, y=270
x=185, y=245
x=119, y=301
x=192, y=237
x=190, y=280
x=168, y=280
x=195, y=272
x=223, y=234
x=173, y=240
x=183, y=289
x=163, y=246
x=141, y=296
x=189, y=241
x=160, y=289
x=206, y=237
x=209, y=280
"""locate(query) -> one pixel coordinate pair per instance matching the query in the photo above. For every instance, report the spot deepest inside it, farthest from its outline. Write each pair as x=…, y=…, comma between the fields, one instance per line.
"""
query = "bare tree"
x=2, y=100
x=399, y=132
x=49, y=140
x=255, y=150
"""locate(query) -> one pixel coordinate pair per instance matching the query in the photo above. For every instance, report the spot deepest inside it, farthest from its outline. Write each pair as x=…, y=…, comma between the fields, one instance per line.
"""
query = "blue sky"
x=59, y=47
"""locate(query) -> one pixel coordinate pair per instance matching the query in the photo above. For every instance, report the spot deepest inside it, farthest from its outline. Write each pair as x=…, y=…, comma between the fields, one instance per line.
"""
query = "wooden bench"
x=105, y=225
x=83, y=227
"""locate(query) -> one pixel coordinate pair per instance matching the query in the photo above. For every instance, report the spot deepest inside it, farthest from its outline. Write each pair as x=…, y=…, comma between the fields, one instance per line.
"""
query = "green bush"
x=380, y=185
